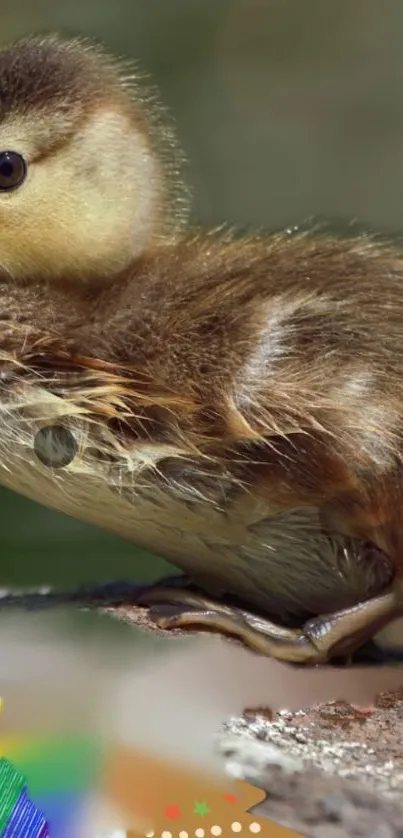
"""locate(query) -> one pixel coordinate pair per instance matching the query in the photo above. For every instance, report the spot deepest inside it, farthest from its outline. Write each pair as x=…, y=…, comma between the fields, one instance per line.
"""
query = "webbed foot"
x=327, y=638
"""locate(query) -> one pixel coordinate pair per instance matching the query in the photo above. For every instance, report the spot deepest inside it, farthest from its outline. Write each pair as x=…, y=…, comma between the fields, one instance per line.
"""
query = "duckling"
x=234, y=403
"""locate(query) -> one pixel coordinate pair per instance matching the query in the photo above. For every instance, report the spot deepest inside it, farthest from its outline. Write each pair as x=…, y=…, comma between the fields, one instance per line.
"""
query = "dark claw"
x=375, y=653
x=371, y=654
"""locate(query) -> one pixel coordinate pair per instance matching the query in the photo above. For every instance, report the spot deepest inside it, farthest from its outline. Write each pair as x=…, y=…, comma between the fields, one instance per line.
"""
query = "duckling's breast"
x=283, y=562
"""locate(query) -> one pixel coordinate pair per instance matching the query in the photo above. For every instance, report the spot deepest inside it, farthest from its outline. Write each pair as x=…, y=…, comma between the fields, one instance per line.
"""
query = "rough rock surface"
x=329, y=771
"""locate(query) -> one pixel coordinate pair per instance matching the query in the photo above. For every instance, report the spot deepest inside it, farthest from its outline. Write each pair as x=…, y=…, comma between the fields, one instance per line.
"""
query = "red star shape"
x=172, y=812
x=230, y=798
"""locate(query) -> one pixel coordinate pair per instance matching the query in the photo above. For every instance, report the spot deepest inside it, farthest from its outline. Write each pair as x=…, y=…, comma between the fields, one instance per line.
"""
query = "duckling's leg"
x=320, y=640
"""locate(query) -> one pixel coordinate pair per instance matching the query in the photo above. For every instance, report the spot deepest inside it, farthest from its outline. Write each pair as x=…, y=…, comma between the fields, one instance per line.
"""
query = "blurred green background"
x=286, y=109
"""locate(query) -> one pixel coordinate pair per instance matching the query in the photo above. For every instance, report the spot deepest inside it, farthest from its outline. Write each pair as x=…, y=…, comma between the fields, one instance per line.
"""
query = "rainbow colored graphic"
x=51, y=802
x=46, y=784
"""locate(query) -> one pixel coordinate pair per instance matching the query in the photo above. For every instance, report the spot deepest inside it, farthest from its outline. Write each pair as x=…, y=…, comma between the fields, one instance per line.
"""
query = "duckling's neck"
x=174, y=311
x=165, y=297
x=31, y=310
x=91, y=318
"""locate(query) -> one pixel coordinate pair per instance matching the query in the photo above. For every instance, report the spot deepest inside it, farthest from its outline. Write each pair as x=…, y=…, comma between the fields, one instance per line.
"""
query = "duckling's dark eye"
x=13, y=169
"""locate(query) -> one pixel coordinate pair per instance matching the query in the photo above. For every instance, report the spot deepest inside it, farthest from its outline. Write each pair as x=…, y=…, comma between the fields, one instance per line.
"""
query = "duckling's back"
x=240, y=408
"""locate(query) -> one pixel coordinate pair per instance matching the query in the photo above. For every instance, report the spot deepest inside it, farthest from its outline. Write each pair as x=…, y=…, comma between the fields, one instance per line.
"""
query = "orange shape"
x=172, y=812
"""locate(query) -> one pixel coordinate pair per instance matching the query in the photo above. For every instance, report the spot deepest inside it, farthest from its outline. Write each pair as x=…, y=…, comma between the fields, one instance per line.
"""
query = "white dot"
x=216, y=830
x=255, y=827
x=166, y=834
x=236, y=826
x=150, y=834
x=183, y=835
x=199, y=833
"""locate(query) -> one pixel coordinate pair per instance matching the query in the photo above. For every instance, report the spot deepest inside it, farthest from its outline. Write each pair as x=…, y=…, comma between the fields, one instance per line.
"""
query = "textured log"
x=329, y=771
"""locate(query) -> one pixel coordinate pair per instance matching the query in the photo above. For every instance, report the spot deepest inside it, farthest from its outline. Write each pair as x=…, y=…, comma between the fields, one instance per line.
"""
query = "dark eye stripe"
x=13, y=170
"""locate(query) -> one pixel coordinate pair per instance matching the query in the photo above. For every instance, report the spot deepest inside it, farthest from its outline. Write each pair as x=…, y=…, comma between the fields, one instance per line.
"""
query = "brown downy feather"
x=237, y=403
x=248, y=377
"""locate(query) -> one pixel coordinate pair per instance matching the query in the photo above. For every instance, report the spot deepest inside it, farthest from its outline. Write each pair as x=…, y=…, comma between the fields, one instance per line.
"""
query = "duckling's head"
x=89, y=175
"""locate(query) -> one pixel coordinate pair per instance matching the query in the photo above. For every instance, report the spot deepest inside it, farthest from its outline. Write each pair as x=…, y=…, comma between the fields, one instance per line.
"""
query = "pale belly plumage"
x=283, y=563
